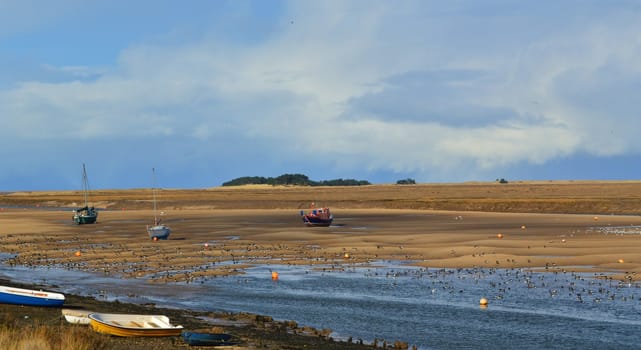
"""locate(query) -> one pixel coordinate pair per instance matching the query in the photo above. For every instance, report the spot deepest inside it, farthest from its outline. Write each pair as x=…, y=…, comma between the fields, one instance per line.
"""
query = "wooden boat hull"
x=206, y=339
x=125, y=325
x=20, y=296
x=158, y=232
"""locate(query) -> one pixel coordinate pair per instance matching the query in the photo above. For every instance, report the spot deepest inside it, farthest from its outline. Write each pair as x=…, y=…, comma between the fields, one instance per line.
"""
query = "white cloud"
x=401, y=87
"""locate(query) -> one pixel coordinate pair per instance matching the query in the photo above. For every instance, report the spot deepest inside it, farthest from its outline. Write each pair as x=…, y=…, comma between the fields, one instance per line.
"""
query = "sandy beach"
x=578, y=229
x=220, y=232
x=118, y=245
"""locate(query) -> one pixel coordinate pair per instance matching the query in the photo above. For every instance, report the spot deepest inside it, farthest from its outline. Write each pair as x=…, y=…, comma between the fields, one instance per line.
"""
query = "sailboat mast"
x=153, y=191
x=85, y=184
x=158, y=230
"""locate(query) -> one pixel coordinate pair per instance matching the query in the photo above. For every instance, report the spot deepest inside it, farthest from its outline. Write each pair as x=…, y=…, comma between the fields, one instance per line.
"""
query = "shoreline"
x=250, y=331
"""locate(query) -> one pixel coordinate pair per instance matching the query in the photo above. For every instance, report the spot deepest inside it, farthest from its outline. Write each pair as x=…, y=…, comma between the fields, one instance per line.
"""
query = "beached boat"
x=127, y=325
x=86, y=214
x=20, y=296
x=207, y=339
x=76, y=316
x=317, y=216
x=157, y=230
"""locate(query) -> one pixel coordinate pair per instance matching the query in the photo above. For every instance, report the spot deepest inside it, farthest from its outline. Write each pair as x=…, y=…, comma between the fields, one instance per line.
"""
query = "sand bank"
x=209, y=242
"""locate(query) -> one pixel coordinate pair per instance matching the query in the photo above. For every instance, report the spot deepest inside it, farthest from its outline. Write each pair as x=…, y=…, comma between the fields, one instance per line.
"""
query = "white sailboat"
x=157, y=230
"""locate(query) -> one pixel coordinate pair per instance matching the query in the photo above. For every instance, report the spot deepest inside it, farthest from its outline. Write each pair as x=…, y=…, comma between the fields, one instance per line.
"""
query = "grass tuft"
x=50, y=337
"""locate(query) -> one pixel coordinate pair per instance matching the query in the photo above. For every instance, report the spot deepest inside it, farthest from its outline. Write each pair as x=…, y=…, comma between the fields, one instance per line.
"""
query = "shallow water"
x=429, y=308
x=616, y=230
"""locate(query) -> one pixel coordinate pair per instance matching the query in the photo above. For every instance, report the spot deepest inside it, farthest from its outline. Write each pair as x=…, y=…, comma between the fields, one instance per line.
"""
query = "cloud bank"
x=360, y=89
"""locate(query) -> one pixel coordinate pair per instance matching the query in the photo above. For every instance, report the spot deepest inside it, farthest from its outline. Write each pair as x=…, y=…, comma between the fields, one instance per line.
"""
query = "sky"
x=207, y=91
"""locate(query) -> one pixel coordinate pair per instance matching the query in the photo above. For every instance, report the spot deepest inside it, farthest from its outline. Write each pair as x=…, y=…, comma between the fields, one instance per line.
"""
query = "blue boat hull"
x=30, y=300
x=310, y=220
x=206, y=339
x=85, y=219
x=159, y=232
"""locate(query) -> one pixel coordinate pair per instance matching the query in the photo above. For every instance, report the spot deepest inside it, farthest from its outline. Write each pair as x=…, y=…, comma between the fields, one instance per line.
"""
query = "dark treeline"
x=408, y=181
x=292, y=179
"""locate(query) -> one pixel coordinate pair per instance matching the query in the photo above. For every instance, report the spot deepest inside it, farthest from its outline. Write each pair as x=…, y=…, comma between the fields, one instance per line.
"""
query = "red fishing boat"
x=317, y=216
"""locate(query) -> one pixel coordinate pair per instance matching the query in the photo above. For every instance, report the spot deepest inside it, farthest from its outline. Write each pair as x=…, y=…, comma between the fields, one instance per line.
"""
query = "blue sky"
x=207, y=91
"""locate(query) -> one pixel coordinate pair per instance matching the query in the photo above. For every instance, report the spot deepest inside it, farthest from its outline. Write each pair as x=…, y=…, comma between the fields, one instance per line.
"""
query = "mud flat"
x=207, y=242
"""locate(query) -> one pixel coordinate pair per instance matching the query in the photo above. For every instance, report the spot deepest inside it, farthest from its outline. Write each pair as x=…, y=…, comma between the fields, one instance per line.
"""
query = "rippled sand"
x=210, y=242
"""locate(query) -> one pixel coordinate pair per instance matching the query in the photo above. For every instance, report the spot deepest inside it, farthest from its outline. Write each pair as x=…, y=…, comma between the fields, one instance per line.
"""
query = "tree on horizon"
x=292, y=179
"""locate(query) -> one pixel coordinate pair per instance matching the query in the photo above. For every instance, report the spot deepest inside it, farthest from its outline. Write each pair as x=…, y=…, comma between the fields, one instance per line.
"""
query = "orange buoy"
x=346, y=256
x=563, y=240
x=522, y=227
x=155, y=238
x=78, y=253
x=596, y=218
x=274, y=276
x=499, y=236
x=483, y=302
x=206, y=245
x=621, y=261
